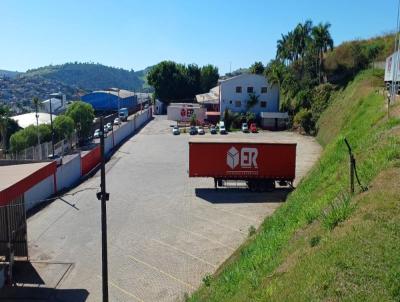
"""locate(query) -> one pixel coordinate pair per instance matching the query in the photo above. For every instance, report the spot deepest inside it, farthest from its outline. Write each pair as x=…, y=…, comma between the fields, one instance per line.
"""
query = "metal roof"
x=27, y=119
x=239, y=140
x=123, y=94
x=211, y=97
x=17, y=179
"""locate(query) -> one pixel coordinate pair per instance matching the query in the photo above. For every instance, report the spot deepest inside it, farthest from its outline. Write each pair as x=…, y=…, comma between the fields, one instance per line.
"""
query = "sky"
x=134, y=34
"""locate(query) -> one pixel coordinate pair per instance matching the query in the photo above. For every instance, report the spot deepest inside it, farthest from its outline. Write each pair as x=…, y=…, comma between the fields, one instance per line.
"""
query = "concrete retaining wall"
x=39, y=192
x=69, y=173
x=76, y=166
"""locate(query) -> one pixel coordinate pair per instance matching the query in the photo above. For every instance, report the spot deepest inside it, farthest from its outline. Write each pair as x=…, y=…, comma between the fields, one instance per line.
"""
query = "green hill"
x=323, y=243
x=8, y=73
x=90, y=76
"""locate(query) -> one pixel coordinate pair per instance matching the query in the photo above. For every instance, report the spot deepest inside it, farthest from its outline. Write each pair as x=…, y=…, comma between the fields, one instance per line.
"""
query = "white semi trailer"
x=182, y=112
x=392, y=70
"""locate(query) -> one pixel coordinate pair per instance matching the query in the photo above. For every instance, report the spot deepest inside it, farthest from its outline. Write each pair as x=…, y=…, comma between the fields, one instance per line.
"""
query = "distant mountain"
x=8, y=73
x=91, y=76
x=21, y=89
x=71, y=79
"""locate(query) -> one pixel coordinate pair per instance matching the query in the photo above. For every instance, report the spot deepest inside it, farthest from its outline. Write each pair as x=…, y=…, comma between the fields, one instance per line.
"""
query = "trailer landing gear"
x=261, y=185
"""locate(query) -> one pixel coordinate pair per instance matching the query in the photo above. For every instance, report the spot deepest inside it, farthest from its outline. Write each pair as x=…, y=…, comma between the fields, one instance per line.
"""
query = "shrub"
x=338, y=211
x=207, y=280
x=252, y=230
x=304, y=119
x=314, y=241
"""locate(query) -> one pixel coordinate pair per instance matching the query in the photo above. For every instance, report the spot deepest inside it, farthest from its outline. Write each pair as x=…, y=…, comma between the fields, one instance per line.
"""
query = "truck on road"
x=123, y=114
x=258, y=162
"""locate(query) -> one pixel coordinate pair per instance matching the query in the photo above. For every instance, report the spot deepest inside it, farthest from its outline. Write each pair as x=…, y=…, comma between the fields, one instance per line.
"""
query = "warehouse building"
x=28, y=119
x=112, y=99
x=234, y=93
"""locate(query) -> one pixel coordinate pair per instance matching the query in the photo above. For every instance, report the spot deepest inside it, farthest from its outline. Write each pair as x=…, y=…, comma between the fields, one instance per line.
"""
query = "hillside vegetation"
x=323, y=243
x=90, y=76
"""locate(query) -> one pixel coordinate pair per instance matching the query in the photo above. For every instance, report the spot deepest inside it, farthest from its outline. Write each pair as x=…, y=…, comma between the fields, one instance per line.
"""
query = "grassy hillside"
x=308, y=250
x=89, y=76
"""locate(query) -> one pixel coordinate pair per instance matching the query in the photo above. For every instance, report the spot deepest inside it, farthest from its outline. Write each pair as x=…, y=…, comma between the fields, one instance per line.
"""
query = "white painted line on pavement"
x=183, y=252
x=122, y=290
x=205, y=237
x=162, y=272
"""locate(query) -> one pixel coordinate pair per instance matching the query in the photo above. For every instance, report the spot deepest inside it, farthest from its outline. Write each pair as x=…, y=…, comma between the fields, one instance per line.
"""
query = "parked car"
x=117, y=121
x=105, y=129
x=193, y=130
x=109, y=127
x=176, y=131
x=253, y=128
x=222, y=129
x=200, y=131
x=96, y=133
x=245, y=128
x=213, y=130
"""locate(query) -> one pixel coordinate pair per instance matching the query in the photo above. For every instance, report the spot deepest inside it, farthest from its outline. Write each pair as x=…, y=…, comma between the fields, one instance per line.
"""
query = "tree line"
x=308, y=70
x=77, y=119
x=174, y=82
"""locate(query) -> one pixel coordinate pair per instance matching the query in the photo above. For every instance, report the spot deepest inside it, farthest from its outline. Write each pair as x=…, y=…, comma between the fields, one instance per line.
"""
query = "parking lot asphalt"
x=165, y=231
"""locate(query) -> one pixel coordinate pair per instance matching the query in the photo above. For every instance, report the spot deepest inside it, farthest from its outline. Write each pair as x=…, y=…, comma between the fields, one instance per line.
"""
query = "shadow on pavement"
x=233, y=195
x=18, y=294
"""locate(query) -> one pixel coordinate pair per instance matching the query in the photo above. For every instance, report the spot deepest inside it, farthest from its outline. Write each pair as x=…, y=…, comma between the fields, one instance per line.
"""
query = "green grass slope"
x=308, y=250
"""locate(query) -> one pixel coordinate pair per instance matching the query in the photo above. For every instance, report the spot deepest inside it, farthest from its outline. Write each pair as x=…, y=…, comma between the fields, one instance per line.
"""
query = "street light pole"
x=103, y=196
x=52, y=130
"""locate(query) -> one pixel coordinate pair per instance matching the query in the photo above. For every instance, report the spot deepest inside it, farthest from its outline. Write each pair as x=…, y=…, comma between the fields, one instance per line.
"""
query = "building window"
x=230, y=102
x=238, y=89
x=263, y=104
x=250, y=89
x=238, y=104
x=264, y=89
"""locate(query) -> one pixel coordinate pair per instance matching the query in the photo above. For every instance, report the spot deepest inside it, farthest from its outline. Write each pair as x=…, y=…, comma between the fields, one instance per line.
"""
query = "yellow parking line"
x=183, y=252
x=205, y=237
x=220, y=224
x=123, y=290
x=162, y=272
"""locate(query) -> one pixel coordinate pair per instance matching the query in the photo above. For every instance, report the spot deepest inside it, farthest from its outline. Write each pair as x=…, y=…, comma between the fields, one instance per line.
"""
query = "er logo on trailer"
x=247, y=158
x=183, y=112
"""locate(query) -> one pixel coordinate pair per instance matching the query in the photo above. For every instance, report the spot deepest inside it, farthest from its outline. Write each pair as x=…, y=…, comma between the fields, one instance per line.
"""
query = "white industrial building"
x=234, y=94
x=27, y=119
x=183, y=112
x=58, y=103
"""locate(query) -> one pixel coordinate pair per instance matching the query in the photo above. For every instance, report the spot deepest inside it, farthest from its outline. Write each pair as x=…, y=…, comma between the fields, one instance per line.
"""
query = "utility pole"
x=103, y=196
x=52, y=130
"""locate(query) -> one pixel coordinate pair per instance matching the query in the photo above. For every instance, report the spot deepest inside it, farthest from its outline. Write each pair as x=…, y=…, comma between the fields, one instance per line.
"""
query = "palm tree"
x=275, y=73
x=4, y=120
x=323, y=41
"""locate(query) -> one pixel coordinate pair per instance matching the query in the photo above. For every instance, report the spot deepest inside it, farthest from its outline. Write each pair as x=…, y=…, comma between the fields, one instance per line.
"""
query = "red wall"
x=217, y=159
x=90, y=160
x=12, y=192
